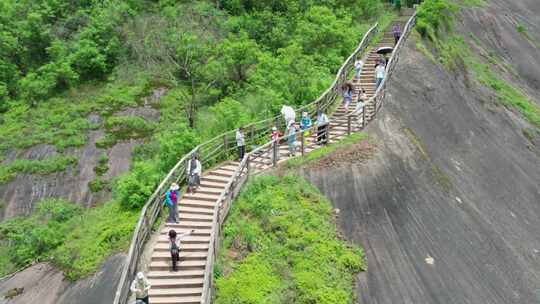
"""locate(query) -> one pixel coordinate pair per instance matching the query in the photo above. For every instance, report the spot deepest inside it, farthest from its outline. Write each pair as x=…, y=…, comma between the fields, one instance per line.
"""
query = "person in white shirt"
x=379, y=74
x=322, y=127
x=175, y=241
x=240, y=143
x=194, y=169
x=358, y=65
x=140, y=287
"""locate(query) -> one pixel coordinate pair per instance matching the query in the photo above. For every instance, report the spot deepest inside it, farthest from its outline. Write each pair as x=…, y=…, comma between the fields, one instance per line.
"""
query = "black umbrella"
x=385, y=50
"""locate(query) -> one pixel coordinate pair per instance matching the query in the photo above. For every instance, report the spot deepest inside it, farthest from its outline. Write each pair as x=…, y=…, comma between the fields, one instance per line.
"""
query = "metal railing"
x=221, y=147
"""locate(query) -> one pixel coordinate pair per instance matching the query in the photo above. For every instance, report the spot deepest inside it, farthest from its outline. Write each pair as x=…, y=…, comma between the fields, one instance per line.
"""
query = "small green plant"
x=103, y=165
x=97, y=185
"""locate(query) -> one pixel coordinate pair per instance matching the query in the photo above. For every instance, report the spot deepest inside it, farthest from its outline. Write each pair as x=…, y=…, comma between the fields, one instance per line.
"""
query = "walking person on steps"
x=140, y=287
x=171, y=200
x=358, y=65
x=240, y=143
x=305, y=125
x=397, y=33
x=362, y=99
x=379, y=75
x=347, y=90
x=291, y=138
x=322, y=128
x=174, y=246
x=194, y=169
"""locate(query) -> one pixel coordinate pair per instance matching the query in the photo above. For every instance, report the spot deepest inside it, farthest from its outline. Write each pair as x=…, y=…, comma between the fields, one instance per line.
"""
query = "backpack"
x=174, y=249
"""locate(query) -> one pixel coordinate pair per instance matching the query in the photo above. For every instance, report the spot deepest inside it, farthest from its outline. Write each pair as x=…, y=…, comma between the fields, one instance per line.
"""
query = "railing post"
x=302, y=137
x=225, y=144
x=364, y=115
x=274, y=153
x=248, y=167
x=349, y=125
x=251, y=131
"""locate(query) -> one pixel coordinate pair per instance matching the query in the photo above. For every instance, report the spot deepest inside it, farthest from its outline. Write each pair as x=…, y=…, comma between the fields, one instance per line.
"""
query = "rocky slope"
x=44, y=284
x=448, y=209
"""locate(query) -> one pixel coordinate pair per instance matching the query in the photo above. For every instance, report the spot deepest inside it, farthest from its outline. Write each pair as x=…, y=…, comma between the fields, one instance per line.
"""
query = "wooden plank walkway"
x=196, y=211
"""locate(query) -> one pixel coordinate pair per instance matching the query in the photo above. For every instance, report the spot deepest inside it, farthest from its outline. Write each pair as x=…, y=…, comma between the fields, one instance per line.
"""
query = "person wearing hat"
x=275, y=134
x=140, y=287
x=171, y=200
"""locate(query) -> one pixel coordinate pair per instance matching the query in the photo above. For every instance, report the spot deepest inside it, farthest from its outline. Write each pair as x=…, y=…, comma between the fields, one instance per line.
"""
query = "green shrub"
x=434, y=15
x=103, y=165
x=280, y=246
x=134, y=188
x=33, y=238
x=77, y=241
x=97, y=185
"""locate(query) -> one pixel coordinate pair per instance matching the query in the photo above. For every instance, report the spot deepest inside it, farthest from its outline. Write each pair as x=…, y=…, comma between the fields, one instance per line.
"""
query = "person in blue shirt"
x=171, y=200
x=305, y=125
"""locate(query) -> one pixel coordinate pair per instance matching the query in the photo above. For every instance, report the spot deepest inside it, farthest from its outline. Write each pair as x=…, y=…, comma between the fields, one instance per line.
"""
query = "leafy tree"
x=239, y=55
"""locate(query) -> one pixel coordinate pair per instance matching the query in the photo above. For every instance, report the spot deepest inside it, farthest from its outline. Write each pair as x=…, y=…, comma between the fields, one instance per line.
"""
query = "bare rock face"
x=448, y=208
x=19, y=196
x=45, y=285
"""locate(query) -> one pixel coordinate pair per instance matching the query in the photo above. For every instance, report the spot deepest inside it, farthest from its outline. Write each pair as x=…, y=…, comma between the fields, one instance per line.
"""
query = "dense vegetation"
x=73, y=239
x=280, y=246
x=222, y=64
x=435, y=20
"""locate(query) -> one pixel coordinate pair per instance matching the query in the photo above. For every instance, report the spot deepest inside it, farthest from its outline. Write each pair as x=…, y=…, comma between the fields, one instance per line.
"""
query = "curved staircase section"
x=206, y=210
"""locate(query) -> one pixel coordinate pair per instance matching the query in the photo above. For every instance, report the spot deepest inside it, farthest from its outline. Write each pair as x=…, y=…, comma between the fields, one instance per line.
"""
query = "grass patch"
x=315, y=155
x=121, y=128
x=42, y=167
x=63, y=121
x=473, y=3
x=75, y=240
x=280, y=245
x=455, y=54
x=520, y=28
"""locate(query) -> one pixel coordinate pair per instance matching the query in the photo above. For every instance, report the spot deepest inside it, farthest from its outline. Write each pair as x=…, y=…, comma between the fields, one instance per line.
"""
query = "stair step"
x=184, y=256
x=216, y=179
x=197, y=204
x=189, y=239
x=209, y=184
x=185, y=274
x=195, y=210
x=190, y=225
x=187, y=265
x=223, y=173
x=184, y=247
x=171, y=292
x=176, y=283
x=198, y=232
x=184, y=216
x=176, y=300
x=201, y=196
